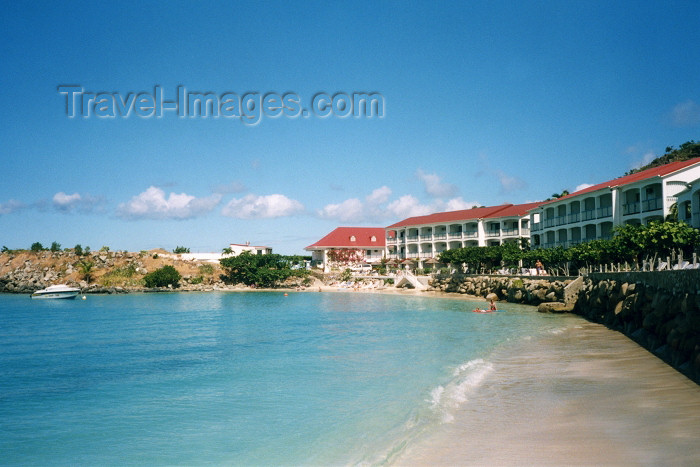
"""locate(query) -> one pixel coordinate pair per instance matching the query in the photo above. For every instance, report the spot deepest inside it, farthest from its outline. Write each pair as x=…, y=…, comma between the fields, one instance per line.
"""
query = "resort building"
x=593, y=213
x=423, y=237
x=347, y=246
x=237, y=249
x=689, y=204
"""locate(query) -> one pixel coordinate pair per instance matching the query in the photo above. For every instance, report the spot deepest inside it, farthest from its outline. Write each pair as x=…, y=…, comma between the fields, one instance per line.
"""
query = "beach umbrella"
x=431, y=261
x=391, y=262
x=408, y=261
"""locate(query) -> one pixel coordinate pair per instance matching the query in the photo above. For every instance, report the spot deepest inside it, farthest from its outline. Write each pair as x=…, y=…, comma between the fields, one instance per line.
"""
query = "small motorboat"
x=57, y=291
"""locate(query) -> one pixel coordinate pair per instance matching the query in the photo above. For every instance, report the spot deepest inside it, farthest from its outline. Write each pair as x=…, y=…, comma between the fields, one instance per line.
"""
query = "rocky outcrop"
x=530, y=291
x=659, y=313
x=111, y=272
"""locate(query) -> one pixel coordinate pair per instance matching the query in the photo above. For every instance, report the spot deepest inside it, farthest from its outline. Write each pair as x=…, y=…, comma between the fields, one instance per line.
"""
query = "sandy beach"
x=582, y=396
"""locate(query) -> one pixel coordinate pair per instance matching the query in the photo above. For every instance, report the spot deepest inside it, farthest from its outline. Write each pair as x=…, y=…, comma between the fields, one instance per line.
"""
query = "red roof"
x=504, y=210
x=660, y=171
x=342, y=237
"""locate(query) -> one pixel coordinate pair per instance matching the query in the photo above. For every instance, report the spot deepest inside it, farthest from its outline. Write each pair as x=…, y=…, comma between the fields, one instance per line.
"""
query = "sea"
x=277, y=379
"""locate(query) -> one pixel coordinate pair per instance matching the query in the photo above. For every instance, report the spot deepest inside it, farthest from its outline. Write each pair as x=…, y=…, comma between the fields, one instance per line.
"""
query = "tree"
x=688, y=150
x=163, y=277
x=181, y=249
x=86, y=270
x=55, y=246
x=37, y=246
x=258, y=270
x=78, y=249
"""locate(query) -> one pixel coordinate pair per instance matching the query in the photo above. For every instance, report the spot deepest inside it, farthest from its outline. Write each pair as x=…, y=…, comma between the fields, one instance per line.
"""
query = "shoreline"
x=587, y=395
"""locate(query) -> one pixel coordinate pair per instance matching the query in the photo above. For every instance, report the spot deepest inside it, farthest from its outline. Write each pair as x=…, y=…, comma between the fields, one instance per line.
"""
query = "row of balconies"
x=652, y=204
x=568, y=243
x=458, y=235
x=583, y=216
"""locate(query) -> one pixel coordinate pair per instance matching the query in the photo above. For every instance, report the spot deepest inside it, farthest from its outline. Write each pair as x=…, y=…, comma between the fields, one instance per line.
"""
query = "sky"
x=482, y=103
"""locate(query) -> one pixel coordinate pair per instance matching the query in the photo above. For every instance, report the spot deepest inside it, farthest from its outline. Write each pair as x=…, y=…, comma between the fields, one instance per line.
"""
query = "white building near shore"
x=639, y=198
x=421, y=238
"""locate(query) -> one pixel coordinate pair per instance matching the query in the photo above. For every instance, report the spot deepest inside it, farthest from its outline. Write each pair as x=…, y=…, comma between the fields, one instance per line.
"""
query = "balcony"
x=456, y=235
x=652, y=204
x=493, y=233
x=536, y=226
x=390, y=241
x=588, y=215
x=440, y=236
x=471, y=234
x=428, y=254
x=549, y=222
x=604, y=212
x=412, y=238
x=630, y=208
x=426, y=237
x=560, y=220
x=510, y=232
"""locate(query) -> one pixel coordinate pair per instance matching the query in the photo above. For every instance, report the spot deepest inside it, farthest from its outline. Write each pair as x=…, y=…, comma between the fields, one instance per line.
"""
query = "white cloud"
x=457, y=204
x=582, y=186
x=686, y=114
x=408, y=206
x=434, y=186
x=11, y=206
x=379, y=195
x=350, y=210
x=233, y=187
x=258, y=207
x=153, y=204
x=509, y=183
x=67, y=203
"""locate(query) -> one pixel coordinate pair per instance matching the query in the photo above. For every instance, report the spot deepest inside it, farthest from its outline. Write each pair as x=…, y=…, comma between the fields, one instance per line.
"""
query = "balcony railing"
x=471, y=234
x=630, y=208
x=456, y=235
x=412, y=238
x=493, y=233
x=560, y=220
x=510, y=232
x=536, y=226
x=652, y=204
x=549, y=222
x=440, y=236
x=588, y=215
x=390, y=241
x=426, y=237
x=605, y=212
x=574, y=217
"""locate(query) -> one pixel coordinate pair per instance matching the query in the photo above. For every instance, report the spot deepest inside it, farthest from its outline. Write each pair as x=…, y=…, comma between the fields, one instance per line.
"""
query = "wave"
x=445, y=400
x=442, y=405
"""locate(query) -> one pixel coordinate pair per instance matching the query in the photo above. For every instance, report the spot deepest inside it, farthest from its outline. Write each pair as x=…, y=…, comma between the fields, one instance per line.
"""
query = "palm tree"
x=559, y=195
x=86, y=270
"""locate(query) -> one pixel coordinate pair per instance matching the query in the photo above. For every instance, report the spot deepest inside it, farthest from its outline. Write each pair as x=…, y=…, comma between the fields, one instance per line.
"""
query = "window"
x=374, y=239
x=352, y=238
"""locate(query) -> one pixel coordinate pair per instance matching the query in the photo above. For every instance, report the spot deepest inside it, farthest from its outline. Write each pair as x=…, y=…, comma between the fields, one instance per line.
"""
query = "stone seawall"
x=528, y=290
x=659, y=310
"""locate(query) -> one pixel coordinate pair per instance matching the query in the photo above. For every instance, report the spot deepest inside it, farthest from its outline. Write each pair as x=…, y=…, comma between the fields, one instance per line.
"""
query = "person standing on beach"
x=540, y=267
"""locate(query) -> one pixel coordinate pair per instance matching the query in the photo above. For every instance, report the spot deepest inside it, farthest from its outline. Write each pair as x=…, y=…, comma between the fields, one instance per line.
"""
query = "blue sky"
x=484, y=103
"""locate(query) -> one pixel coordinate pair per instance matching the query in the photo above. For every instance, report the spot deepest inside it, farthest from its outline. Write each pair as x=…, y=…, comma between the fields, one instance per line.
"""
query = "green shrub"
x=37, y=246
x=181, y=249
x=206, y=269
x=163, y=277
x=196, y=280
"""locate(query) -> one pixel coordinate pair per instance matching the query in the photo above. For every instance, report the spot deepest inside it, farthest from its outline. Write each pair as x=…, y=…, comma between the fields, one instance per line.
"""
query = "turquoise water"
x=240, y=378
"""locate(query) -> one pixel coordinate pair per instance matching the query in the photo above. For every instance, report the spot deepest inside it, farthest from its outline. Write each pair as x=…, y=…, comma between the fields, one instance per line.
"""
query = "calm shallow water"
x=246, y=378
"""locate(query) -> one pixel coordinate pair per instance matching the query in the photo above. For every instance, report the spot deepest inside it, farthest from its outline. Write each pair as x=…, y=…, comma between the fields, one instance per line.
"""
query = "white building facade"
x=423, y=237
x=594, y=212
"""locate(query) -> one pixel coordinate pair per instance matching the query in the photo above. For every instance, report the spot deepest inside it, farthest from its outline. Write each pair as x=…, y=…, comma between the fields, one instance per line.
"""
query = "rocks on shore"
x=529, y=291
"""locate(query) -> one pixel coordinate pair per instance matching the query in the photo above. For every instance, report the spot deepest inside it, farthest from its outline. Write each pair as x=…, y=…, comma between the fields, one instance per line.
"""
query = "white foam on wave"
x=445, y=400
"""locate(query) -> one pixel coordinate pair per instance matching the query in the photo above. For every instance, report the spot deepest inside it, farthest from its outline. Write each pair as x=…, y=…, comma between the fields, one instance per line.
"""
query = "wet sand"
x=585, y=395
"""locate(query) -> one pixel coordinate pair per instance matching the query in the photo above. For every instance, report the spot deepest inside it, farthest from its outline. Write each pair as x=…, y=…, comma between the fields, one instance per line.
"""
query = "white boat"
x=56, y=291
